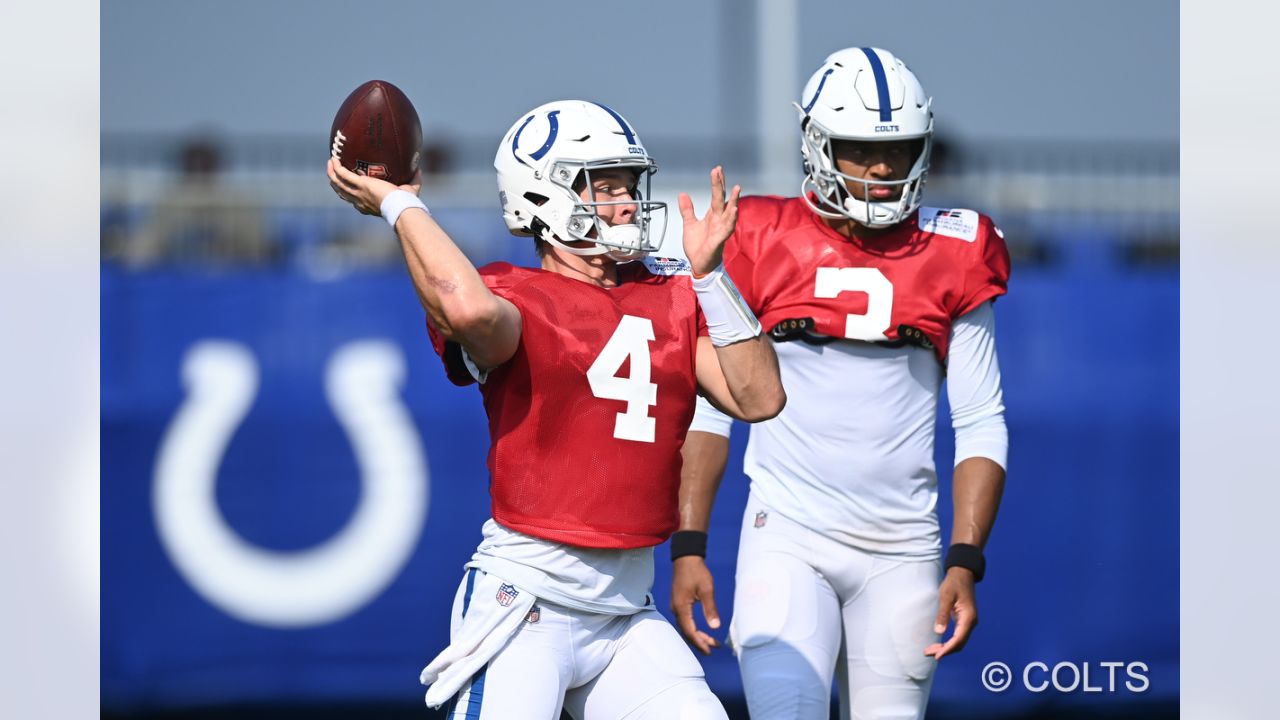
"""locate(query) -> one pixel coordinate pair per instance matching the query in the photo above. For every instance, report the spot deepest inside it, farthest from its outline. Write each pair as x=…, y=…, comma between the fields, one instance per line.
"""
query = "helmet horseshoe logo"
x=818, y=92
x=538, y=154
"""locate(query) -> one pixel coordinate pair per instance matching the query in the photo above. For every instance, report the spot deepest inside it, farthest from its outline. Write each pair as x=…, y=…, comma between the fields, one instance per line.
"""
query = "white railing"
x=1133, y=188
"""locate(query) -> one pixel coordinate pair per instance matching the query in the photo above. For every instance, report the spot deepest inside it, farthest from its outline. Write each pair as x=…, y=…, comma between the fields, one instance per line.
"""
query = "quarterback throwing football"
x=871, y=300
x=588, y=367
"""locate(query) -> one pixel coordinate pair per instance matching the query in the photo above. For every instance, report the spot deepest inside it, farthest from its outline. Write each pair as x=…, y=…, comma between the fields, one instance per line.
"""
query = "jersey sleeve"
x=740, y=251
x=501, y=279
x=988, y=277
x=451, y=354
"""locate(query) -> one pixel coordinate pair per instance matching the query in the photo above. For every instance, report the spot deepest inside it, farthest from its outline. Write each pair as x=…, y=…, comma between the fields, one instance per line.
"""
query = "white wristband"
x=729, y=320
x=397, y=202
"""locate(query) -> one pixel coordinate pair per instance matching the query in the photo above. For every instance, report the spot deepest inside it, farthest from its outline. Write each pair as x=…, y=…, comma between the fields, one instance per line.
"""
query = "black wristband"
x=969, y=557
x=688, y=542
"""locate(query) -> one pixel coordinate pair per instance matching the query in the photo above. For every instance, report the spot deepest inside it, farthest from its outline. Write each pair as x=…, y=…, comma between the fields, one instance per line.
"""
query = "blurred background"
x=276, y=543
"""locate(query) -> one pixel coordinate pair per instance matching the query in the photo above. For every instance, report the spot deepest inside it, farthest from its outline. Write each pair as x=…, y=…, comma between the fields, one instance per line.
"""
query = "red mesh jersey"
x=937, y=265
x=585, y=449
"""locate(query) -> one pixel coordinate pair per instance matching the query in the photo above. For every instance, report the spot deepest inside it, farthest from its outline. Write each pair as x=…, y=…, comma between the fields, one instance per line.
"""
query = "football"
x=377, y=133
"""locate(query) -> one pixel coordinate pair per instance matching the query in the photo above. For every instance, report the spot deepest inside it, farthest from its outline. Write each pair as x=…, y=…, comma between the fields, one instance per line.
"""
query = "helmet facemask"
x=622, y=242
x=830, y=187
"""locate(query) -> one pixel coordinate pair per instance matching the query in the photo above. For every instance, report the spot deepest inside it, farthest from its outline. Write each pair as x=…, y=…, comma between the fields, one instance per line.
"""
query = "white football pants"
x=807, y=608
x=597, y=667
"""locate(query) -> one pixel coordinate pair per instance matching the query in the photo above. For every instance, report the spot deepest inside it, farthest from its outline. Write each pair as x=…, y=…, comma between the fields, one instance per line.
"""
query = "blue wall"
x=1083, y=566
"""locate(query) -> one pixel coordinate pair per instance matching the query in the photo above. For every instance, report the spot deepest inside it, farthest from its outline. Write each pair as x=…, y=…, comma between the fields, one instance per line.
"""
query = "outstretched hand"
x=704, y=237
x=956, y=599
x=363, y=192
x=692, y=583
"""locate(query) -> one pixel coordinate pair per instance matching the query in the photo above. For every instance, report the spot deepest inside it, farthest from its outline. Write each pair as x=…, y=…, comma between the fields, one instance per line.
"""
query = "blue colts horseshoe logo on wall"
x=323, y=583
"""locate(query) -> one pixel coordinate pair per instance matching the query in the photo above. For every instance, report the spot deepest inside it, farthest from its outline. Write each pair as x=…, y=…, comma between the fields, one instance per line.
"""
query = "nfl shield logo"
x=506, y=594
x=373, y=170
x=534, y=615
x=761, y=518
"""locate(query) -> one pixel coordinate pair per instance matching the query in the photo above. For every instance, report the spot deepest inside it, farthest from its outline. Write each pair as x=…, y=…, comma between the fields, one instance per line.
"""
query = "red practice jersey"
x=905, y=286
x=587, y=419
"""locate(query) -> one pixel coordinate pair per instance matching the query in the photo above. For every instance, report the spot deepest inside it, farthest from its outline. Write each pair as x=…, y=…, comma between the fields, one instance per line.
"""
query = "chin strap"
x=624, y=245
x=809, y=184
x=805, y=186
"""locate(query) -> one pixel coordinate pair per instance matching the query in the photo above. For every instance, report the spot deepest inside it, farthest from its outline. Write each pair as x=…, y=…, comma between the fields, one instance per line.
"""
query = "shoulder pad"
x=503, y=275
x=765, y=210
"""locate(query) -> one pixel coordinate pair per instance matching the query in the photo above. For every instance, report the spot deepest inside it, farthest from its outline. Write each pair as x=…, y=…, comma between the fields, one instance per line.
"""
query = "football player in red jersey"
x=588, y=367
x=871, y=299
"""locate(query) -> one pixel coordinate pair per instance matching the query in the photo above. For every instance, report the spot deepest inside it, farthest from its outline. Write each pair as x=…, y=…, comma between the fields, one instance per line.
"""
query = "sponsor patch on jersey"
x=762, y=517
x=952, y=222
x=666, y=265
x=507, y=594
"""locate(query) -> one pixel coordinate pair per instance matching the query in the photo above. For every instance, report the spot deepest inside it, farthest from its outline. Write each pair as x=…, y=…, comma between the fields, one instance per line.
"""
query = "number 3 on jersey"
x=629, y=341
x=871, y=325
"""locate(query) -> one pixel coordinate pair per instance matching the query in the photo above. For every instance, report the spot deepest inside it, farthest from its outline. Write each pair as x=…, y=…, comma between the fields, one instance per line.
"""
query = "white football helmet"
x=541, y=158
x=862, y=94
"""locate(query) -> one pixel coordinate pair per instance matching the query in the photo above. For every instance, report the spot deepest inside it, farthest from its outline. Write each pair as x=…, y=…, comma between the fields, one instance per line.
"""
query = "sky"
x=997, y=70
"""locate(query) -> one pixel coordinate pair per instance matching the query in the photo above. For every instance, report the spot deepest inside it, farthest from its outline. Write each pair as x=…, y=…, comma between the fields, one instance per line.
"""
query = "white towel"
x=493, y=614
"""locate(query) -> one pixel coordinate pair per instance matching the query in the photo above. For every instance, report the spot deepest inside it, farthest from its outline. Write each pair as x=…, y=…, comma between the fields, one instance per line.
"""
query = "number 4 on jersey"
x=629, y=341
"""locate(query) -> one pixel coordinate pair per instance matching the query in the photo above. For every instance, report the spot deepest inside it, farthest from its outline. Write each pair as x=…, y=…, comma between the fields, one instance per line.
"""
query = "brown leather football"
x=377, y=133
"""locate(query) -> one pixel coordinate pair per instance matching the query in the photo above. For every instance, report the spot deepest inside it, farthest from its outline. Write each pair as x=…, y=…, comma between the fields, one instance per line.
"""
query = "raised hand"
x=363, y=192
x=704, y=238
